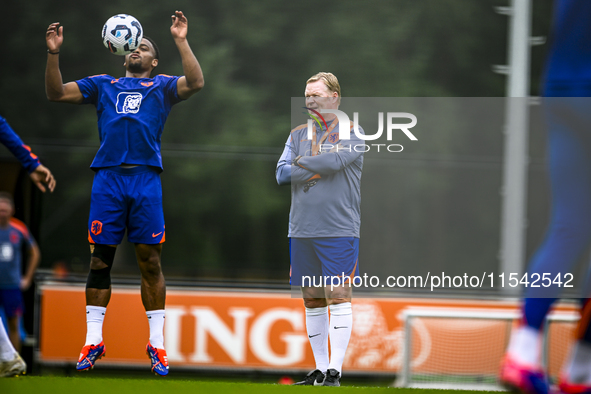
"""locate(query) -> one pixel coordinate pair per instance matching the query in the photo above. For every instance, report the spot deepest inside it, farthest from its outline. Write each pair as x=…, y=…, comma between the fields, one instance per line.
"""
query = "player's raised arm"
x=55, y=89
x=192, y=81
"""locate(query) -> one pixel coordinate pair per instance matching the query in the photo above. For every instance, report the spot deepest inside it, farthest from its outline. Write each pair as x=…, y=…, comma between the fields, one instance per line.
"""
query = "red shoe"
x=572, y=388
x=523, y=378
x=159, y=360
x=88, y=356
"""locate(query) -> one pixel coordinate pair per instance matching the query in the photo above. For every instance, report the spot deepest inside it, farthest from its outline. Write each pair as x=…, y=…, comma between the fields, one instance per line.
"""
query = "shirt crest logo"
x=6, y=252
x=128, y=102
x=14, y=238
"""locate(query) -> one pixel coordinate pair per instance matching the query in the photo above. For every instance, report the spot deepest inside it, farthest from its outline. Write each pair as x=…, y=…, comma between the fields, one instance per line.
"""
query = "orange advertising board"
x=244, y=330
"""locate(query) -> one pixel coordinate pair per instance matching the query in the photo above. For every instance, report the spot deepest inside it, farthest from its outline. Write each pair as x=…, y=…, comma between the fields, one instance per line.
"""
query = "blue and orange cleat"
x=88, y=356
x=572, y=388
x=523, y=378
x=159, y=360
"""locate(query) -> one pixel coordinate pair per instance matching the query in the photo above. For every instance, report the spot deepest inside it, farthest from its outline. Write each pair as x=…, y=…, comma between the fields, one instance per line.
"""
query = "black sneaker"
x=314, y=378
x=333, y=378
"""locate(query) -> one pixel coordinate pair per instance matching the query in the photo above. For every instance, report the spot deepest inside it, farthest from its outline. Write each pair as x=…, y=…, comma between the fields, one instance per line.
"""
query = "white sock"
x=156, y=321
x=341, y=324
x=95, y=315
x=317, y=328
x=578, y=367
x=525, y=345
x=7, y=351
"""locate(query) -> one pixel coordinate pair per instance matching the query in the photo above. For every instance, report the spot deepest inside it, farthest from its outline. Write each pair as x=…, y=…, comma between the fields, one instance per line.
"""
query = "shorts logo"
x=128, y=102
x=96, y=227
x=155, y=235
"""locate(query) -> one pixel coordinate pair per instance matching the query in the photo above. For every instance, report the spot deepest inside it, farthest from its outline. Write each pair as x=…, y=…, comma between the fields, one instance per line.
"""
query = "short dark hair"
x=7, y=197
x=156, y=50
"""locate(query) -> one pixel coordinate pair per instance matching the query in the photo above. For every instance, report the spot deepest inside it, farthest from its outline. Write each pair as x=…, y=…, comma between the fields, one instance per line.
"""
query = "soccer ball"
x=122, y=34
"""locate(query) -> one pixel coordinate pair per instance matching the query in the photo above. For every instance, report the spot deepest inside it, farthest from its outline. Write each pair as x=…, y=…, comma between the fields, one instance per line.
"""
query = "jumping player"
x=325, y=178
x=126, y=191
x=566, y=89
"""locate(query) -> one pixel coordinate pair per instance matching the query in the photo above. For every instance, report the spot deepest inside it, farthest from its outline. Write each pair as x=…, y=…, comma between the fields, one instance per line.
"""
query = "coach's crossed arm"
x=341, y=155
x=328, y=163
x=287, y=173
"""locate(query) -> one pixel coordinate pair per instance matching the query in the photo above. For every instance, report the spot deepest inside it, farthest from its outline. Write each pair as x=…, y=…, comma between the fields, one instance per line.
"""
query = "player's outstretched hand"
x=42, y=176
x=180, y=25
x=54, y=37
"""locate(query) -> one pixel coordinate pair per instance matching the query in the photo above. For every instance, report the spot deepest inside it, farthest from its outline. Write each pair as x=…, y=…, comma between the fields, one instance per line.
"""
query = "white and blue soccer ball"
x=122, y=34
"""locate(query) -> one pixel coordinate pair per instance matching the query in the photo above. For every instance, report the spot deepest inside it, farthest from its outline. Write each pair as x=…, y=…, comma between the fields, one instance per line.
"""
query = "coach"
x=325, y=177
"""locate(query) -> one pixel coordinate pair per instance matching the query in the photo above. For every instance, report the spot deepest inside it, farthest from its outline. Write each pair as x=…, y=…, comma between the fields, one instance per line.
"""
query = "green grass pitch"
x=100, y=385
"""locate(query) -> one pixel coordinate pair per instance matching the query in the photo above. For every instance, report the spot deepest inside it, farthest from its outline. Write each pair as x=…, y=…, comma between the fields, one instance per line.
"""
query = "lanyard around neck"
x=316, y=145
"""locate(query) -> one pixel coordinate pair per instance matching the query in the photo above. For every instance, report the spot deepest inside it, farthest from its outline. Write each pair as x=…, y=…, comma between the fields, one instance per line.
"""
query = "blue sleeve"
x=286, y=173
x=30, y=240
x=89, y=88
x=17, y=147
x=170, y=88
x=283, y=170
x=27, y=237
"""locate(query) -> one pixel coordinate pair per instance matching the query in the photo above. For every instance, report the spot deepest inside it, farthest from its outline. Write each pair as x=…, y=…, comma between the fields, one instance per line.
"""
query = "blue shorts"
x=321, y=257
x=126, y=198
x=12, y=302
